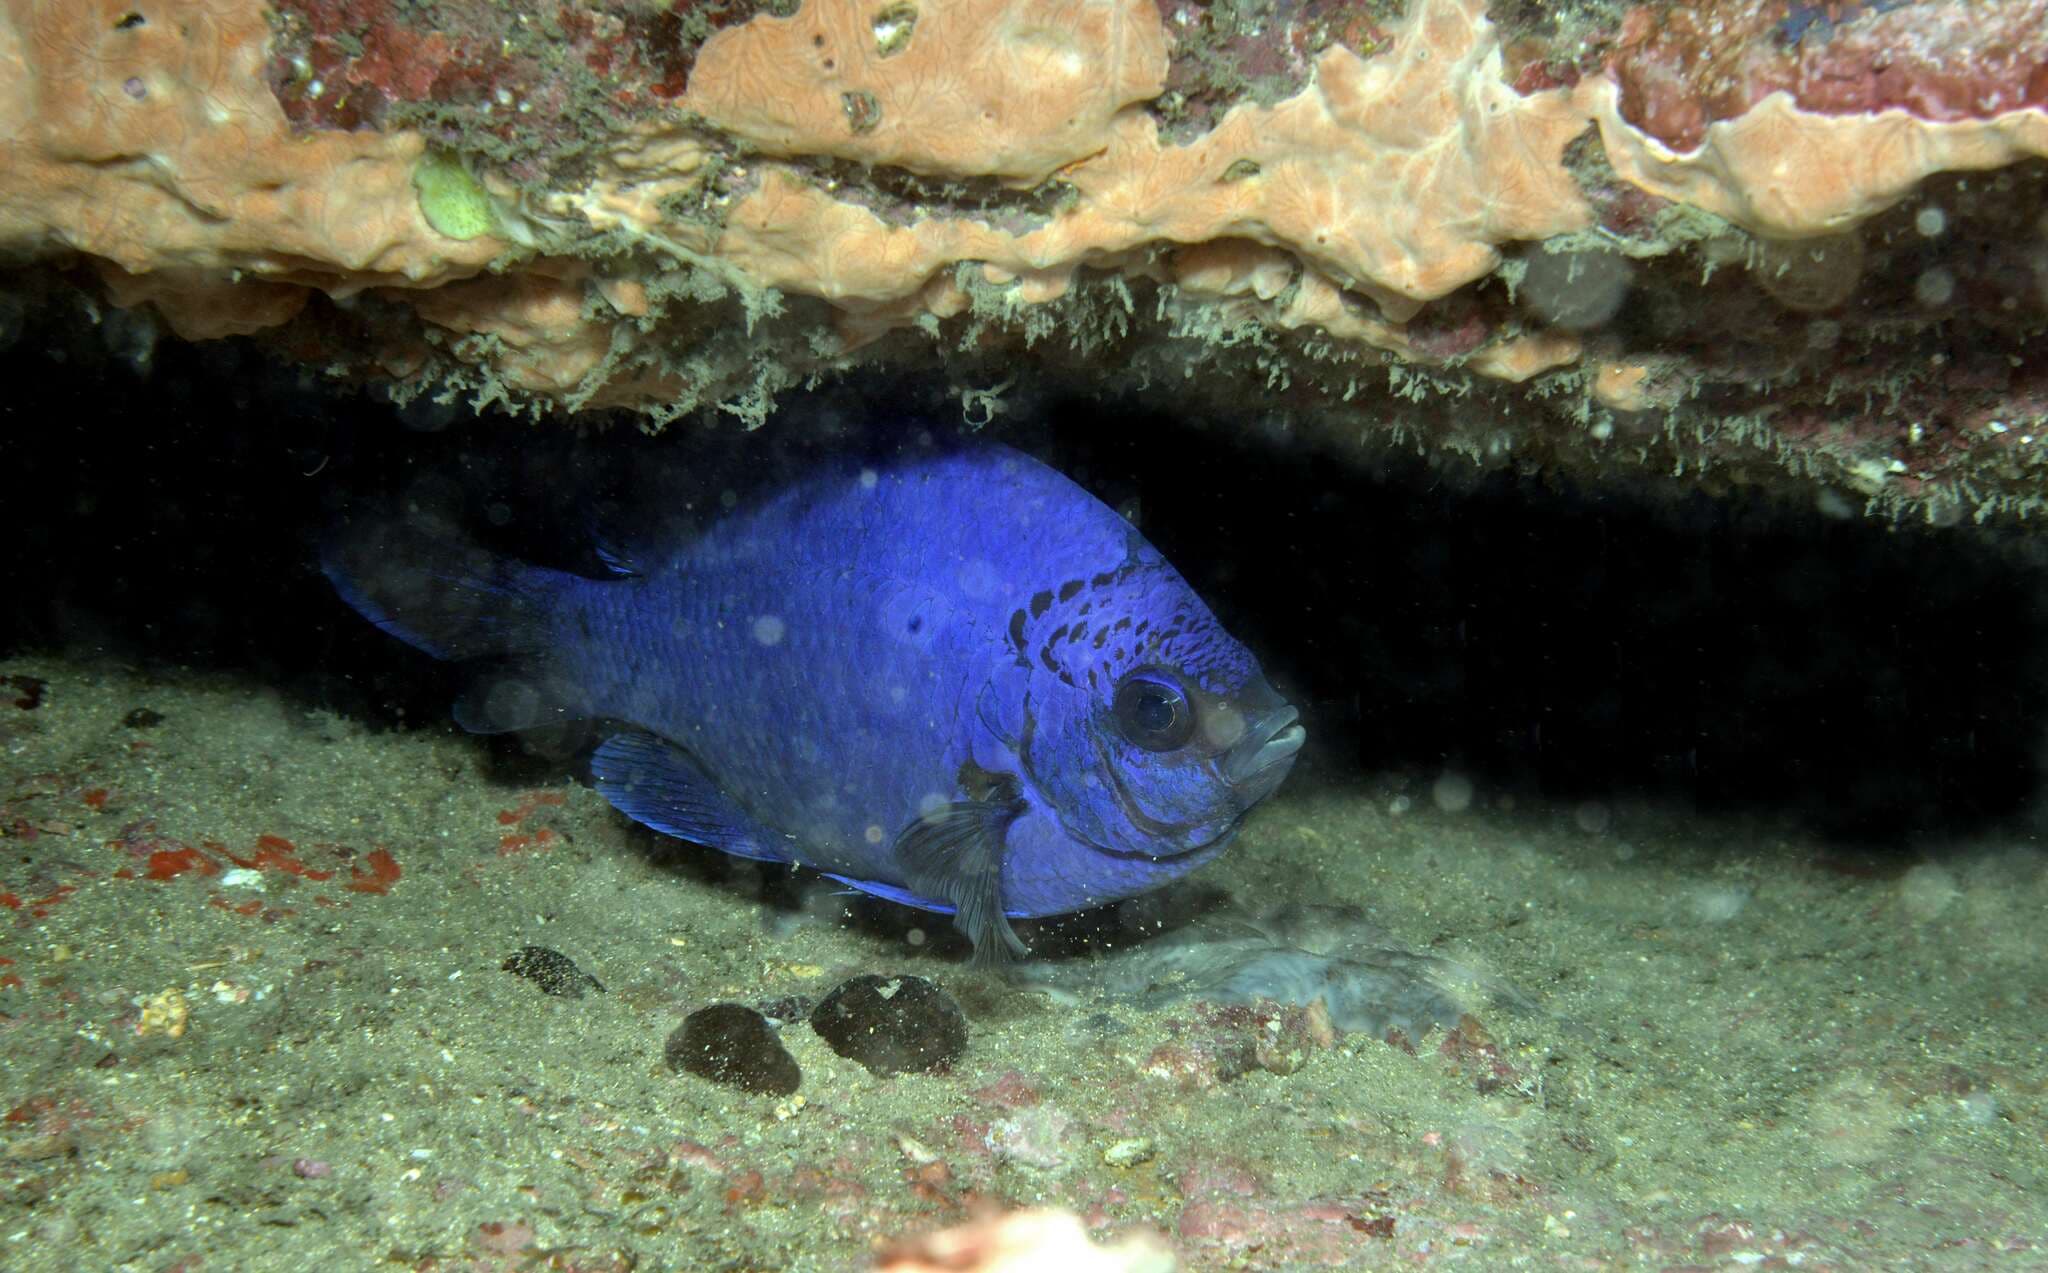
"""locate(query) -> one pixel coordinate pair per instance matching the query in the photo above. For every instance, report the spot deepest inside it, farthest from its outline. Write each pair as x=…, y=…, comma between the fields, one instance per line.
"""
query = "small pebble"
x=732, y=1044
x=1129, y=1152
x=143, y=718
x=893, y=1025
x=554, y=972
x=1033, y=1137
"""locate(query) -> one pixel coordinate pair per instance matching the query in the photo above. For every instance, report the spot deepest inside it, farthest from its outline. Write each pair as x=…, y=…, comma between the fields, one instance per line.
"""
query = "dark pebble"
x=27, y=690
x=893, y=1025
x=554, y=972
x=732, y=1044
x=143, y=718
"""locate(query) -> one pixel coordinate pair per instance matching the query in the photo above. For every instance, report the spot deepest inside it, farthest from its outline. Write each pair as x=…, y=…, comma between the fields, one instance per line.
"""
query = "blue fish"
x=952, y=679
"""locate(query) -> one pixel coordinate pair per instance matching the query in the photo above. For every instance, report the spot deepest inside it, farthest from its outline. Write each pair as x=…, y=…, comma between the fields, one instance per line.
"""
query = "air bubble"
x=428, y=415
x=1935, y=287
x=770, y=629
x=1927, y=890
x=1717, y=903
x=1810, y=274
x=1576, y=290
x=1452, y=792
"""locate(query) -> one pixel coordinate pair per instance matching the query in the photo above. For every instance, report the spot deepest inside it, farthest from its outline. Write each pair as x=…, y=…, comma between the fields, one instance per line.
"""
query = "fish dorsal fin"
x=612, y=549
x=605, y=528
x=656, y=783
x=616, y=559
x=956, y=852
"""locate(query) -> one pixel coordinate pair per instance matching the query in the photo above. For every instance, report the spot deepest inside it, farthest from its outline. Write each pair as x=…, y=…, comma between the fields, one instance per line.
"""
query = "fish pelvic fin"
x=426, y=583
x=657, y=784
x=956, y=852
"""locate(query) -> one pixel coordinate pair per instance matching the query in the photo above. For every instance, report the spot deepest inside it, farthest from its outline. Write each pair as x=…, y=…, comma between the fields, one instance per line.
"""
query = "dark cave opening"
x=1874, y=681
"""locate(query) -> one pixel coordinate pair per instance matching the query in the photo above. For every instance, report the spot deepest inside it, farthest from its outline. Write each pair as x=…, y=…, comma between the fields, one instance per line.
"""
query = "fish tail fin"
x=429, y=585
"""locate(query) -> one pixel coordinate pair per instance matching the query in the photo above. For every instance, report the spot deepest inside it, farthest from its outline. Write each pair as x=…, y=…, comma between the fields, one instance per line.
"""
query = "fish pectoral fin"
x=656, y=783
x=956, y=852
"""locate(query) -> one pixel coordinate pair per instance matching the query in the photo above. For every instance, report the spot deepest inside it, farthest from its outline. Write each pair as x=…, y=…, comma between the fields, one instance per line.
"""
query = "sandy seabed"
x=254, y=1017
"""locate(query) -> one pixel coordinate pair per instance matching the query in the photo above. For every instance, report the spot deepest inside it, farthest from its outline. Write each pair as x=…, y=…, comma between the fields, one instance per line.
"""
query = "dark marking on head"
x=1069, y=589
x=1052, y=666
x=1040, y=603
x=1080, y=630
x=1017, y=630
x=1057, y=633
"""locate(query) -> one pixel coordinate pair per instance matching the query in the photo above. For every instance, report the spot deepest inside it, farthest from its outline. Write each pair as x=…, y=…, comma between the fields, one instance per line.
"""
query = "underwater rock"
x=732, y=1044
x=893, y=1025
x=554, y=972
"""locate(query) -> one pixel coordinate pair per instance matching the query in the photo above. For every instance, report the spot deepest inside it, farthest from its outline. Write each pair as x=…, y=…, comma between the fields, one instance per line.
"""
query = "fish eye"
x=1153, y=713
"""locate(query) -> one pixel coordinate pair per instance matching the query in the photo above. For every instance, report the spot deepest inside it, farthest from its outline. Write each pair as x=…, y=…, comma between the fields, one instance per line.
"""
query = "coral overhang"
x=667, y=205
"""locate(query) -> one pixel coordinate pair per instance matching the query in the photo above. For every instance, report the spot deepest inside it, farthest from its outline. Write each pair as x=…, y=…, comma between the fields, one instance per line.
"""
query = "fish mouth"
x=1259, y=761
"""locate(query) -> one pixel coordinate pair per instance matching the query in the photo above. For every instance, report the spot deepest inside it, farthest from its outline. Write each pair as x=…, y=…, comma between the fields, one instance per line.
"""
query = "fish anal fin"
x=656, y=783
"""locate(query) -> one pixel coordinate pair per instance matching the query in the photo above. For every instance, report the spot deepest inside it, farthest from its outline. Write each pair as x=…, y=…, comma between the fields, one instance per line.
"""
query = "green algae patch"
x=452, y=200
